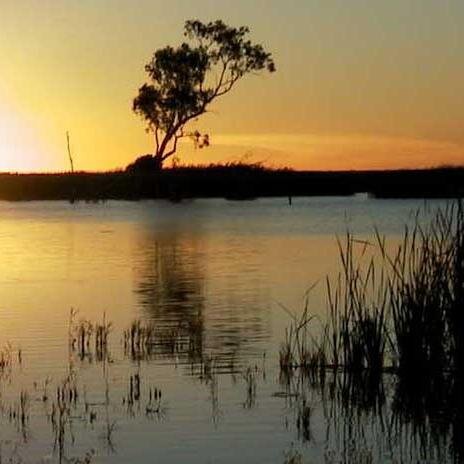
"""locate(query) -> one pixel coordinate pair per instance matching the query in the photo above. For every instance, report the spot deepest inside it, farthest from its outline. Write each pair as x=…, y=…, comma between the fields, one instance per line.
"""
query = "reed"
x=354, y=336
x=154, y=407
x=249, y=376
x=358, y=310
x=400, y=311
x=102, y=332
x=426, y=295
x=300, y=348
x=7, y=360
x=139, y=340
x=83, y=332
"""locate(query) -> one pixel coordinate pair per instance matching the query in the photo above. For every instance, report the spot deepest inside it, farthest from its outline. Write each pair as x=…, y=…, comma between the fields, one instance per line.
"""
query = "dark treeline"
x=238, y=181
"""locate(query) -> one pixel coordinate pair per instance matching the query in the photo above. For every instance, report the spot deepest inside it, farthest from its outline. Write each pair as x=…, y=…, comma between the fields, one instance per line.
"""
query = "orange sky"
x=360, y=84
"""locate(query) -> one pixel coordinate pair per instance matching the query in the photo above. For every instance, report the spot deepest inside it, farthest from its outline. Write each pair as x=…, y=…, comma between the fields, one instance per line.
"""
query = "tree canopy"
x=185, y=80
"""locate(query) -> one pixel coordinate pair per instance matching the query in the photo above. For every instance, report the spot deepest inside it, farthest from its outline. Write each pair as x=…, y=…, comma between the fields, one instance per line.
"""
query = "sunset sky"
x=360, y=84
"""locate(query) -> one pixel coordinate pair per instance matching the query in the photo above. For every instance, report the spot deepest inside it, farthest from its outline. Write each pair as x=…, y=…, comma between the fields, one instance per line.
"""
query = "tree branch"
x=173, y=149
x=156, y=138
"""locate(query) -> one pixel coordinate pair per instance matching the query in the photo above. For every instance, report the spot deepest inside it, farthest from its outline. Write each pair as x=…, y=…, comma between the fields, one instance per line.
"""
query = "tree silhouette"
x=185, y=80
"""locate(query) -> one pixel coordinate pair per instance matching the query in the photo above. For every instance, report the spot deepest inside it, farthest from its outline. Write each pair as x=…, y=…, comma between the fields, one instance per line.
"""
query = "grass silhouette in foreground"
x=397, y=314
x=395, y=322
x=400, y=311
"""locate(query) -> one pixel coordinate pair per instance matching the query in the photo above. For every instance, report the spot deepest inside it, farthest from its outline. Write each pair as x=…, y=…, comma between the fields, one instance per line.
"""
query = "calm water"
x=225, y=268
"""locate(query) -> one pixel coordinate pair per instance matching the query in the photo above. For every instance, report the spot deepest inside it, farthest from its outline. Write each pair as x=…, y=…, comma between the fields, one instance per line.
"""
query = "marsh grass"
x=6, y=357
x=102, y=331
x=154, y=407
x=9, y=358
x=356, y=330
x=426, y=293
x=19, y=414
x=300, y=348
x=394, y=318
x=139, y=339
x=250, y=378
x=82, y=332
x=399, y=312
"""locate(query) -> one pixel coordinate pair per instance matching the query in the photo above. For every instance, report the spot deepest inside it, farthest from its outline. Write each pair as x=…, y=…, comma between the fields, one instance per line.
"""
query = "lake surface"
x=214, y=273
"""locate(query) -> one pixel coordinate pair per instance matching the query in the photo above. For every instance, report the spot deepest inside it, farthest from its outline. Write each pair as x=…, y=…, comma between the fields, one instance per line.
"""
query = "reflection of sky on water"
x=231, y=261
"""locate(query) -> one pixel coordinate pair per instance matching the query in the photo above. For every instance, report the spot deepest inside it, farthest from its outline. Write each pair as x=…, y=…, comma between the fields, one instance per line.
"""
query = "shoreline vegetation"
x=235, y=181
x=397, y=311
x=393, y=317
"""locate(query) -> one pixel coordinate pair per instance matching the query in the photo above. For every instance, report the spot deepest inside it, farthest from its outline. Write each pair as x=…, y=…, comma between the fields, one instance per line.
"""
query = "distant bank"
x=237, y=183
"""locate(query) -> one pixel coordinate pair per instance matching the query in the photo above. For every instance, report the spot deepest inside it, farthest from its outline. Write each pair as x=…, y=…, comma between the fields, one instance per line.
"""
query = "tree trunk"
x=158, y=159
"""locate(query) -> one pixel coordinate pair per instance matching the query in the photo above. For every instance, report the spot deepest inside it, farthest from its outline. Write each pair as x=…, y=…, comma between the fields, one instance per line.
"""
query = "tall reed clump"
x=354, y=336
x=426, y=292
x=357, y=311
x=401, y=311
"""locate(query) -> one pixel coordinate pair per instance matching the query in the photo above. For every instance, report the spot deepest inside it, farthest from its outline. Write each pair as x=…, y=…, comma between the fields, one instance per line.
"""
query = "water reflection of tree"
x=171, y=279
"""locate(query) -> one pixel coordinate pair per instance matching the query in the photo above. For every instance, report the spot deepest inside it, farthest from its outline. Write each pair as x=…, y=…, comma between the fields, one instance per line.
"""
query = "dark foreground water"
x=211, y=276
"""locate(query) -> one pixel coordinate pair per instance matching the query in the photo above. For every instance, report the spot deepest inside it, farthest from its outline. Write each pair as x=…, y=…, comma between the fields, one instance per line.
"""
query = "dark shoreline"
x=235, y=183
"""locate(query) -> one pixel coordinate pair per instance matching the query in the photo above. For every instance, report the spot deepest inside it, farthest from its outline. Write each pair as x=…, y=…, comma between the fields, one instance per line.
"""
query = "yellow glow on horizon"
x=330, y=152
